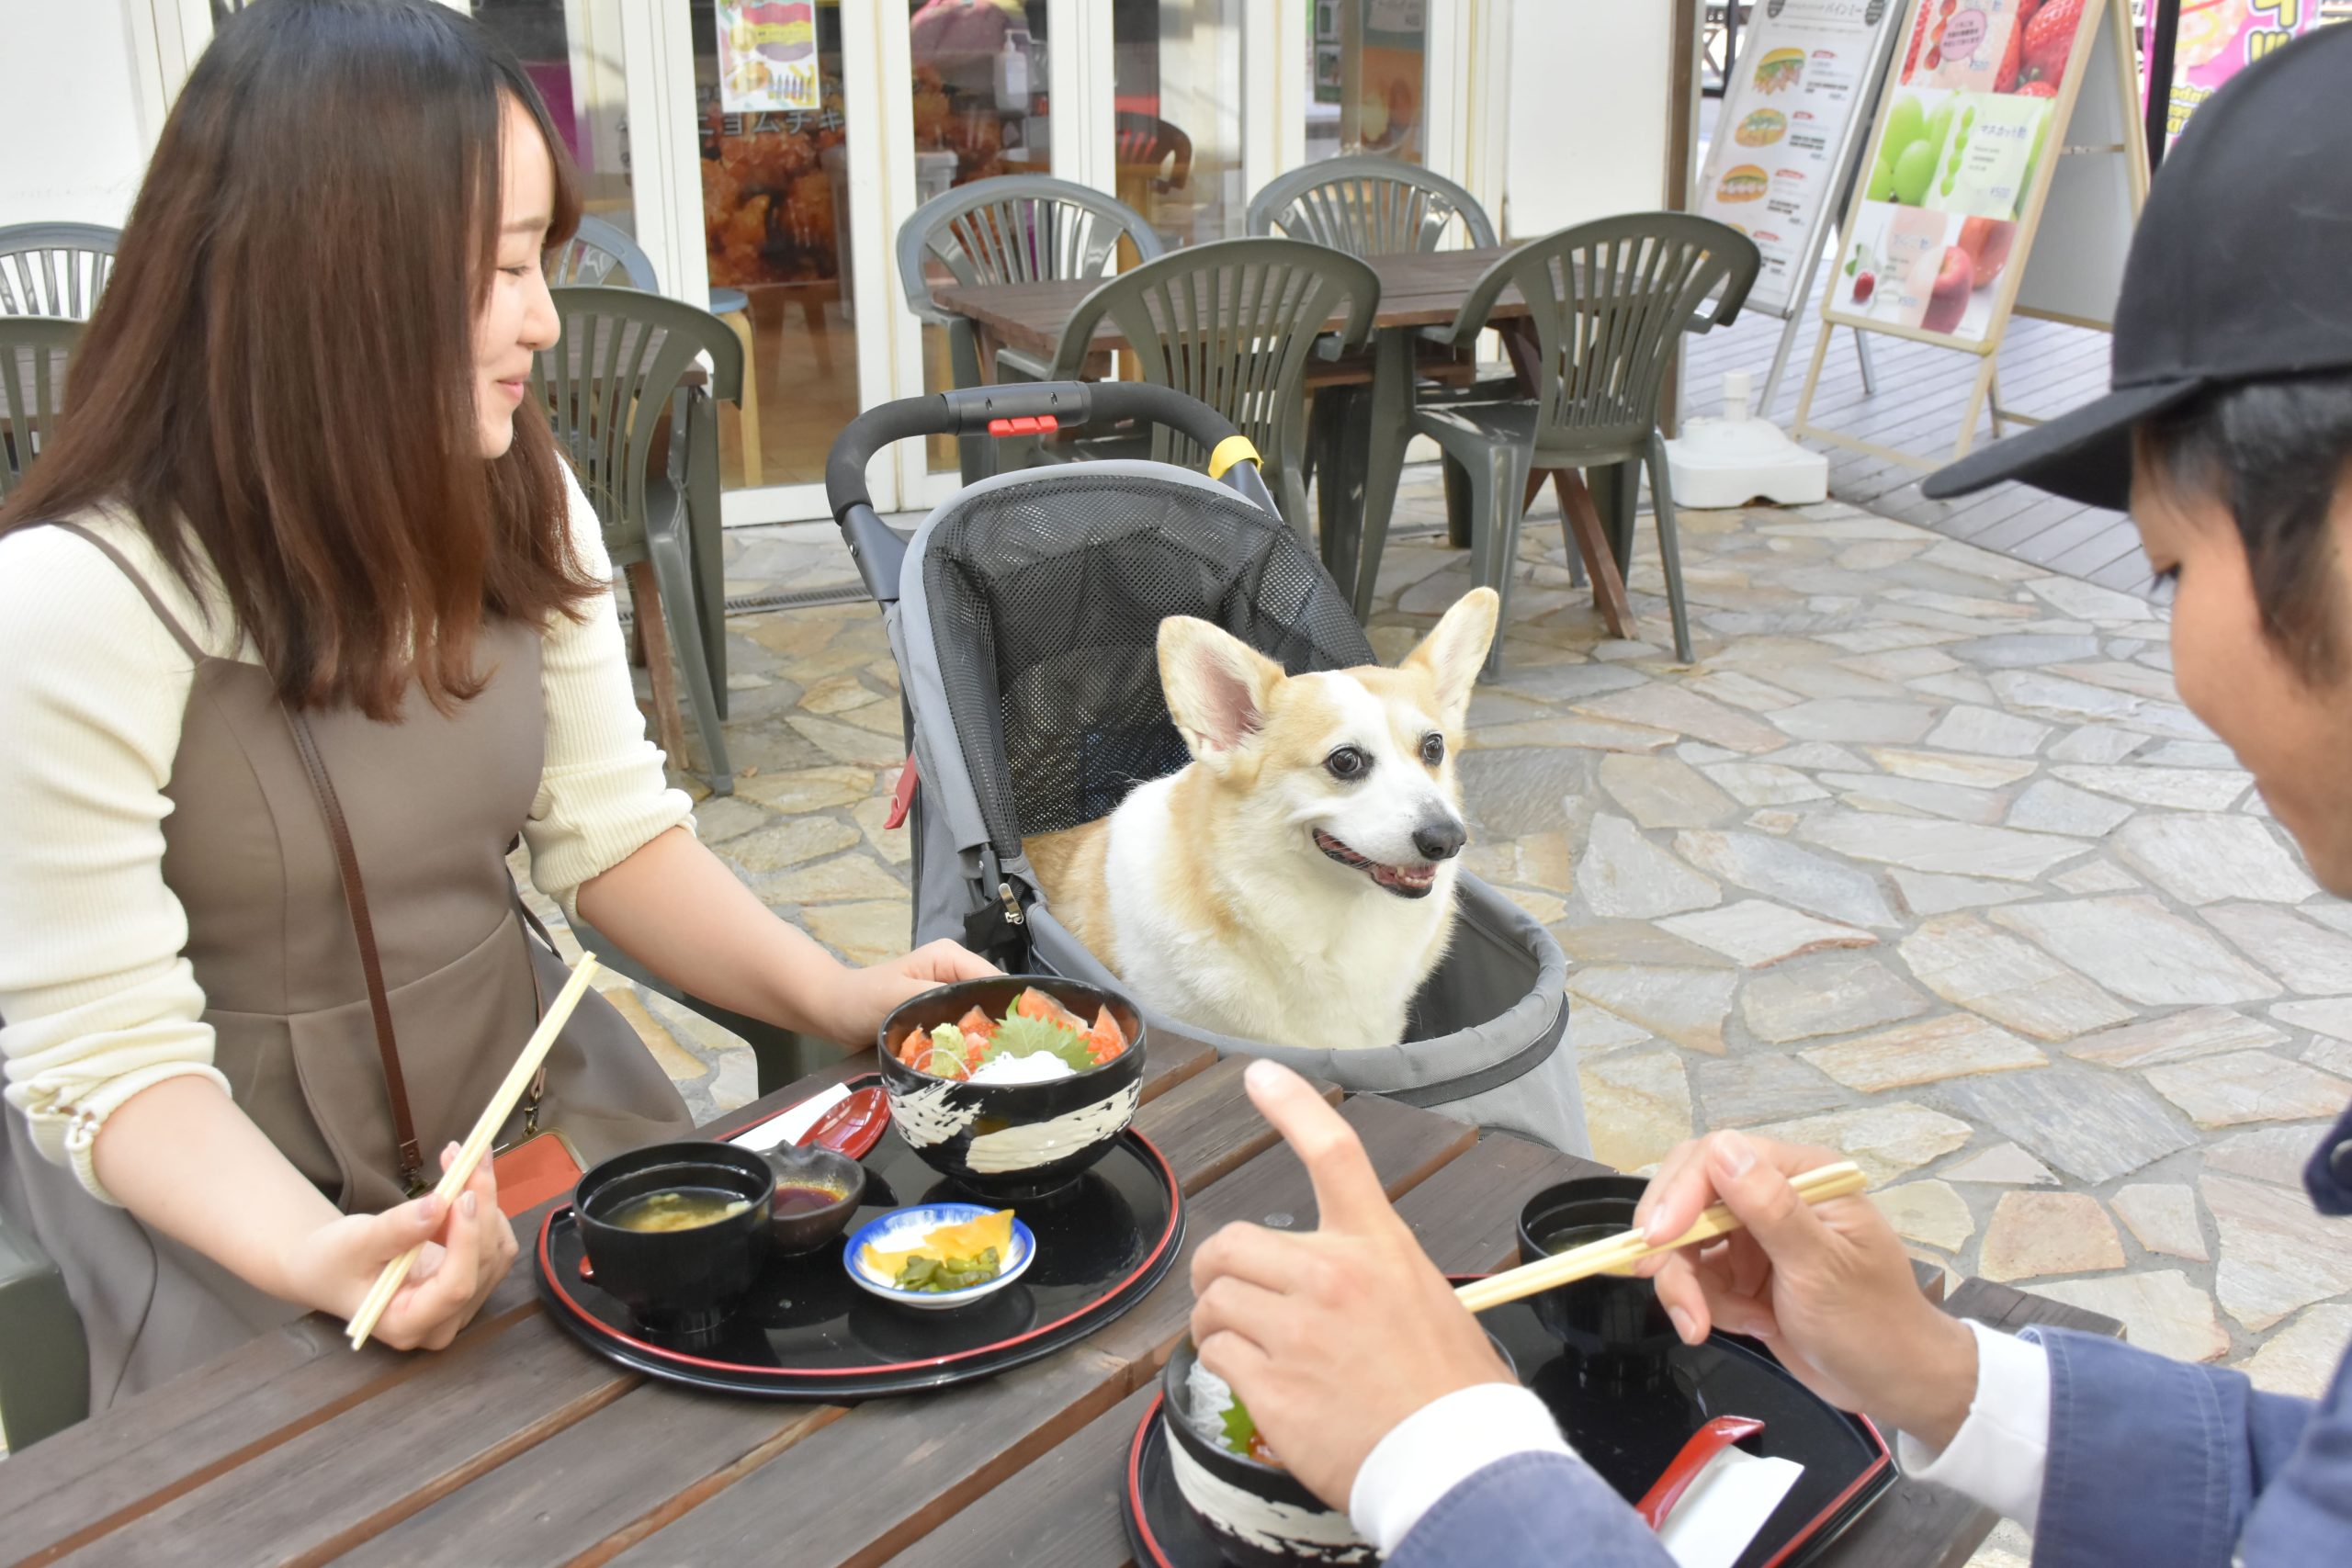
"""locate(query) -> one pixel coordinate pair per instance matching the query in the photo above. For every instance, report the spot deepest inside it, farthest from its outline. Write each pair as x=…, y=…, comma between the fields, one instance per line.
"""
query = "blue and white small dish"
x=908, y=1227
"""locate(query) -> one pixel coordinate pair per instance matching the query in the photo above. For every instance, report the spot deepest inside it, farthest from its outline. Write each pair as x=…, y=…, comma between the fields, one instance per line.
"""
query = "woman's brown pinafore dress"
x=433, y=802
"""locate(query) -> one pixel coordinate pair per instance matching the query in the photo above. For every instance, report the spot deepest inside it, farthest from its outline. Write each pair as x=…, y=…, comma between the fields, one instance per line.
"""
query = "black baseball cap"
x=2241, y=271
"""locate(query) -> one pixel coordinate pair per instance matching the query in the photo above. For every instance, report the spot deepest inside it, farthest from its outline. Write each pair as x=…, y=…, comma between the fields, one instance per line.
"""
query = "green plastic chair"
x=34, y=353
x=44, y=1361
x=55, y=269
x=612, y=387
x=1369, y=206
x=1233, y=323
x=1609, y=303
x=1012, y=229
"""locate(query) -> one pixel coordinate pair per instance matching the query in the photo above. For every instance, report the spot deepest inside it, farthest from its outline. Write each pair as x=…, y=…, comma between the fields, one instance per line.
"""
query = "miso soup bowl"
x=1010, y=1142
x=684, y=1281
x=1613, y=1323
x=1260, y=1515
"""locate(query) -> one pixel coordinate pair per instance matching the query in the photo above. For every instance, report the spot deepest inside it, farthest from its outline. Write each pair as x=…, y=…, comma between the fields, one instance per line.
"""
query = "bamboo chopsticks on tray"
x=476, y=1147
x=1618, y=1252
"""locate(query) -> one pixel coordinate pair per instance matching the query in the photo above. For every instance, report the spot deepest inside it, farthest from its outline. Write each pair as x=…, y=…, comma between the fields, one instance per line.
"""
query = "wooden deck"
x=2045, y=368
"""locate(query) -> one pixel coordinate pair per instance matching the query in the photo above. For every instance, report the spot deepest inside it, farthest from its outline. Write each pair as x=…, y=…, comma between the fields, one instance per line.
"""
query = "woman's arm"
x=676, y=908
x=610, y=841
x=183, y=1157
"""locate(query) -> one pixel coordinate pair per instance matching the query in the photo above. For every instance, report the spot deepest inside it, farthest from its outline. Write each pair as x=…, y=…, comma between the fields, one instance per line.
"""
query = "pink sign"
x=2217, y=39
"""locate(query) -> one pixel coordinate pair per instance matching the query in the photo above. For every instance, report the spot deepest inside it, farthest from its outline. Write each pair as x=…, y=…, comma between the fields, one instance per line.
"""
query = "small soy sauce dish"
x=1012, y=1142
x=688, y=1280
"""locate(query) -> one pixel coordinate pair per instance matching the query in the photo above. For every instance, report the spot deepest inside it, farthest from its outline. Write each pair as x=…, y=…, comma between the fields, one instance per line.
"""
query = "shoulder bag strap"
x=355, y=898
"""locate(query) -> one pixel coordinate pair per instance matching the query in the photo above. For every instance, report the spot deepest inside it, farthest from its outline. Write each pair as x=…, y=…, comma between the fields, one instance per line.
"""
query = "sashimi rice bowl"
x=1012, y=1087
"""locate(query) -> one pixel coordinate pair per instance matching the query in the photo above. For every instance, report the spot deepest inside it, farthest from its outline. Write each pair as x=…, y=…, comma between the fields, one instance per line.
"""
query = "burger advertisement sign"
x=1962, y=140
x=1806, y=68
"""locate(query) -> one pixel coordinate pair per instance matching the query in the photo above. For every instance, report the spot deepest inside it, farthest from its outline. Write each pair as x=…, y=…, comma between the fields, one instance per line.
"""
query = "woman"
x=302, y=502
x=2229, y=431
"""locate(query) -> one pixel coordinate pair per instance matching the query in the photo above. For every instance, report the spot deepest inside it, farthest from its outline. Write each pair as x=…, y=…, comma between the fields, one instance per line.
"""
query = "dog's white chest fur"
x=1297, y=952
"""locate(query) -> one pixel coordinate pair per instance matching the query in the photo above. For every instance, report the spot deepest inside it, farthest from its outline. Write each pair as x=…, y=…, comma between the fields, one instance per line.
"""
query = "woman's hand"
x=1826, y=1286
x=872, y=994
x=468, y=1248
x=1333, y=1337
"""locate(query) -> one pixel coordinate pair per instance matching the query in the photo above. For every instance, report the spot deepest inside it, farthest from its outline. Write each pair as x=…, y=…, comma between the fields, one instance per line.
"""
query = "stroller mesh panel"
x=1045, y=603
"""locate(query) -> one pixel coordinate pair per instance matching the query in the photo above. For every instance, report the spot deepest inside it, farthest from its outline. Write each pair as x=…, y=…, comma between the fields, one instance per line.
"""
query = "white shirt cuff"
x=1998, y=1454
x=1439, y=1447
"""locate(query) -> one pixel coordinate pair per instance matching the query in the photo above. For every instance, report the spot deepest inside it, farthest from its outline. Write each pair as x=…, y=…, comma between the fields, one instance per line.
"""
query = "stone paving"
x=1922, y=859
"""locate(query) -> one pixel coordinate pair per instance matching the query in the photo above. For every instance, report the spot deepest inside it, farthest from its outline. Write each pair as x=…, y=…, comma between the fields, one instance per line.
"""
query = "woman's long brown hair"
x=282, y=374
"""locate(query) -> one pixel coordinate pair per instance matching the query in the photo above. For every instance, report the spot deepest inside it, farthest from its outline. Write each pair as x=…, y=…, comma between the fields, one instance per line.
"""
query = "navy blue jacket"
x=2153, y=1462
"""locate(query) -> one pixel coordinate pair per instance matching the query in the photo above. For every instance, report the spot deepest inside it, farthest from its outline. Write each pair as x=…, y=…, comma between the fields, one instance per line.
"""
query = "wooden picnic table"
x=517, y=1445
x=1417, y=290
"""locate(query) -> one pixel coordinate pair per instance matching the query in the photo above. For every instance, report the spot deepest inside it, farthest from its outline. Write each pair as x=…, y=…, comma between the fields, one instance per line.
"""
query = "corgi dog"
x=1293, y=883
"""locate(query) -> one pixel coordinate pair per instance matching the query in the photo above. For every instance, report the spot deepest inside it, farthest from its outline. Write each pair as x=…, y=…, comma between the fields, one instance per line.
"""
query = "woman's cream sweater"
x=96, y=1001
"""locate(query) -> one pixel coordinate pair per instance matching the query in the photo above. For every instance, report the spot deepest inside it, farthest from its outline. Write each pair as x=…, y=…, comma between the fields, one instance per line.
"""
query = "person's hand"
x=1826, y=1286
x=1330, y=1337
x=871, y=994
x=468, y=1248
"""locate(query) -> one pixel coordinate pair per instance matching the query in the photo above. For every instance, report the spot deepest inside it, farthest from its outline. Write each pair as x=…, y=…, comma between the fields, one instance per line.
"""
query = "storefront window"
x=1176, y=67
x=980, y=110
x=1367, y=78
x=572, y=54
x=775, y=171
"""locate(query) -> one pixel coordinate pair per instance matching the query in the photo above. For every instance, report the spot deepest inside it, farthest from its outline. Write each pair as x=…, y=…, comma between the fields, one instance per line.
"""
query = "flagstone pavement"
x=1922, y=859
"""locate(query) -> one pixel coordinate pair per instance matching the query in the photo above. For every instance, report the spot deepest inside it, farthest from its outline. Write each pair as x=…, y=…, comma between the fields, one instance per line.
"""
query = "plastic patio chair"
x=34, y=353
x=55, y=269
x=1011, y=228
x=44, y=1361
x=611, y=388
x=597, y=250
x=1609, y=303
x=1369, y=206
x=1234, y=323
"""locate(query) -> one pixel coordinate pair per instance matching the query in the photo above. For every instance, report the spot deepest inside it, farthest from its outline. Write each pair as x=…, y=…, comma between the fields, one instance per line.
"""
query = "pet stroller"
x=1023, y=613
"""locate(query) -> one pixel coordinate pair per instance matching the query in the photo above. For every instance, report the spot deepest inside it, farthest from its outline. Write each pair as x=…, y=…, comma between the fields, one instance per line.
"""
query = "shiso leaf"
x=1018, y=1036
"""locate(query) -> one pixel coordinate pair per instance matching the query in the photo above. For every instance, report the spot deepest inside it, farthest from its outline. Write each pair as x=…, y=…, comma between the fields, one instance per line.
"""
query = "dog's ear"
x=1219, y=687
x=1454, y=651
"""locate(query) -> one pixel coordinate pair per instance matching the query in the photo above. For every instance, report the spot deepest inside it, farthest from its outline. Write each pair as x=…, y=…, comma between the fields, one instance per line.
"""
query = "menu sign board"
x=1803, y=73
x=1961, y=141
x=767, y=56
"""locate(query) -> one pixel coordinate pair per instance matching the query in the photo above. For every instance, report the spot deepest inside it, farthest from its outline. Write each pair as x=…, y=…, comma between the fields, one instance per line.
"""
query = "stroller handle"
x=1024, y=407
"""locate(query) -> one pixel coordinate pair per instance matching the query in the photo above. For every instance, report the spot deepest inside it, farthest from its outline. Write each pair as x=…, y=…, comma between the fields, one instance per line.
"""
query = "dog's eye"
x=1348, y=763
x=1433, y=748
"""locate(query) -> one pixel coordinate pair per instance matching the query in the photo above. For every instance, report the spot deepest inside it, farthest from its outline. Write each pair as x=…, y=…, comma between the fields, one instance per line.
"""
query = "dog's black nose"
x=1441, y=838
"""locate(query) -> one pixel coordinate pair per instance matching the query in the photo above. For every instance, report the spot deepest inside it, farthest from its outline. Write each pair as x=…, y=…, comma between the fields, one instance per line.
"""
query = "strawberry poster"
x=1962, y=135
x=2218, y=39
x=1807, y=71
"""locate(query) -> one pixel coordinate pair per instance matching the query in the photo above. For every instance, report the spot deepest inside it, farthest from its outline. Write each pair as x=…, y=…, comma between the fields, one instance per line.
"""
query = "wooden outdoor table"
x=1417, y=290
x=517, y=1447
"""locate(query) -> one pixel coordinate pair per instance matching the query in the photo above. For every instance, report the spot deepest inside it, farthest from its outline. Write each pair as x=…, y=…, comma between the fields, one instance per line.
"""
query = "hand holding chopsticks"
x=476, y=1147
x=1618, y=1253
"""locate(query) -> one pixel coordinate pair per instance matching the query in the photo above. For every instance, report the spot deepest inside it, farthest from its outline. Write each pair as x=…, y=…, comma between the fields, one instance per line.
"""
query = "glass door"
x=776, y=163
x=1179, y=120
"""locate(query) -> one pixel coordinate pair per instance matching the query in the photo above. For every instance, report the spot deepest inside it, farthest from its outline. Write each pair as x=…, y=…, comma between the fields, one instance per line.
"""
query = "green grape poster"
x=1964, y=131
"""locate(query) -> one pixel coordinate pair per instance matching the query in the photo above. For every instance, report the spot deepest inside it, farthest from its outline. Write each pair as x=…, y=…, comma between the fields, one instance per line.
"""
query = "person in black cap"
x=2228, y=433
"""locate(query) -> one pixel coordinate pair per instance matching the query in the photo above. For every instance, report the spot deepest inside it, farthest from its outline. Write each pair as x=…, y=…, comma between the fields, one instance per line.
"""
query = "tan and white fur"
x=1294, y=884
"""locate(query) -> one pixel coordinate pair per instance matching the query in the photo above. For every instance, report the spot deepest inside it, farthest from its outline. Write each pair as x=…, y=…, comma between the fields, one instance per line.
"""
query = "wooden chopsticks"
x=1619, y=1252
x=476, y=1147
